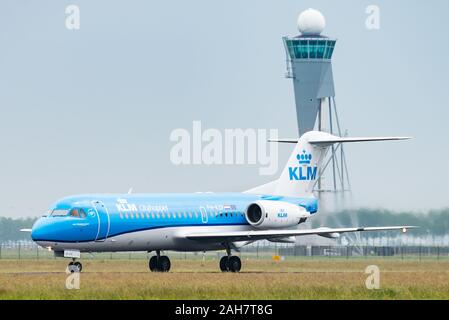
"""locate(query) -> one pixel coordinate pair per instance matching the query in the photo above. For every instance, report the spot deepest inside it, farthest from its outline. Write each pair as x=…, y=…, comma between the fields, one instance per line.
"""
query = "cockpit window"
x=77, y=213
x=59, y=212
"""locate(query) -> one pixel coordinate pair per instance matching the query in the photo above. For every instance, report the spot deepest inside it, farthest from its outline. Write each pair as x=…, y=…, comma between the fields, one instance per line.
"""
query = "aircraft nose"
x=38, y=230
x=36, y=234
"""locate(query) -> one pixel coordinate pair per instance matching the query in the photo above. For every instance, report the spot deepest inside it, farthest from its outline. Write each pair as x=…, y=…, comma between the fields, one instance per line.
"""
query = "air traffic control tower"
x=309, y=64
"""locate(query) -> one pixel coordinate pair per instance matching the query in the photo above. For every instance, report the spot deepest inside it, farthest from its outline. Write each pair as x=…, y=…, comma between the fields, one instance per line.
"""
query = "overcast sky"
x=91, y=110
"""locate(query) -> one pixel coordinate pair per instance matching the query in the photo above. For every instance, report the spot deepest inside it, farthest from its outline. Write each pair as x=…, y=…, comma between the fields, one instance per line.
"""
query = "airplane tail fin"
x=302, y=170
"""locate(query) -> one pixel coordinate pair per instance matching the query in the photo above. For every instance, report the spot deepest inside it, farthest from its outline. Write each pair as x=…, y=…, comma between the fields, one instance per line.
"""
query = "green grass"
x=320, y=278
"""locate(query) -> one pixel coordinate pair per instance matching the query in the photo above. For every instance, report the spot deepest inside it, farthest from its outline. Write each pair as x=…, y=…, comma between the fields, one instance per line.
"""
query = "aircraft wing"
x=233, y=236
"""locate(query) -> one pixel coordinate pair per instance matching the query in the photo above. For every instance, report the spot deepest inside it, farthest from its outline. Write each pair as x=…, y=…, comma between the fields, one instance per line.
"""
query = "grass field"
x=196, y=279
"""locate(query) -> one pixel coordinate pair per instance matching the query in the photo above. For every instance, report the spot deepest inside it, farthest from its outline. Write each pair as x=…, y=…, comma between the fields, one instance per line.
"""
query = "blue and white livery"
x=196, y=221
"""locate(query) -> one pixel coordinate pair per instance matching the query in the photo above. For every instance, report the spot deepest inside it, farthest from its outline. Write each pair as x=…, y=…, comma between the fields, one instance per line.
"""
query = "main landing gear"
x=230, y=263
x=74, y=266
x=159, y=263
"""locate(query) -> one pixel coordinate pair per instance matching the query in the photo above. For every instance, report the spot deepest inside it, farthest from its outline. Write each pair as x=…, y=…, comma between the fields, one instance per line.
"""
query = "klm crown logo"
x=304, y=171
x=304, y=157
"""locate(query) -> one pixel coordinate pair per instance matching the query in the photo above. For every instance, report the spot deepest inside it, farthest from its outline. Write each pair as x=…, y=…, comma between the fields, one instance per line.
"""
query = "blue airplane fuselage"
x=120, y=222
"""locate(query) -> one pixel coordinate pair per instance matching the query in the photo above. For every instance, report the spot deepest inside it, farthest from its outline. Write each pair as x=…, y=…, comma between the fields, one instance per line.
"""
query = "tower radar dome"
x=311, y=22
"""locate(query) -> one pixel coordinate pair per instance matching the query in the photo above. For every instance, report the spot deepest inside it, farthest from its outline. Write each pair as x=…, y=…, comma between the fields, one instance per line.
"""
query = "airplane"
x=197, y=221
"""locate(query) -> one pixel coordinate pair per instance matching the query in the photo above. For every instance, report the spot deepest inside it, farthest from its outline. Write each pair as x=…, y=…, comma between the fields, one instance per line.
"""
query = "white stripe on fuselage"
x=167, y=238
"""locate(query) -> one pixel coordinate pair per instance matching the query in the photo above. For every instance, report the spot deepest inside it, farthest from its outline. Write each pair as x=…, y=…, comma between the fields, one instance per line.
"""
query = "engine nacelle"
x=268, y=214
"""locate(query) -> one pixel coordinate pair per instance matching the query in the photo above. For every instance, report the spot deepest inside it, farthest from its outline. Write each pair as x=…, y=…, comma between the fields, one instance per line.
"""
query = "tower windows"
x=317, y=48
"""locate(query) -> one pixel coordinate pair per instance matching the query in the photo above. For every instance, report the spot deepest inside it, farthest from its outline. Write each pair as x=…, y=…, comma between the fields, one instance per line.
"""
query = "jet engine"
x=268, y=214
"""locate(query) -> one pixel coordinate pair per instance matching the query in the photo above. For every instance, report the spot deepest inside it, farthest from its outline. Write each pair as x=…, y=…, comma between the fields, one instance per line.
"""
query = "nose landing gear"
x=159, y=263
x=74, y=266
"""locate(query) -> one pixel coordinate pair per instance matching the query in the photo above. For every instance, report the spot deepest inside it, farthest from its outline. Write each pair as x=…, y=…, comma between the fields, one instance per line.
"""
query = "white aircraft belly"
x=170, y=238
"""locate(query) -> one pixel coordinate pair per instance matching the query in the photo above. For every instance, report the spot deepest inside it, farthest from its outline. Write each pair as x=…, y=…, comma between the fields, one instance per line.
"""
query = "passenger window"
x=82, y=213
x=121, y=215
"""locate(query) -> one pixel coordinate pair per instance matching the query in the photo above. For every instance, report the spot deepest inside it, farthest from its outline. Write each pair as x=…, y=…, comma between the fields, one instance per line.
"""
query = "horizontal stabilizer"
x=330, y=139
x=303, y=169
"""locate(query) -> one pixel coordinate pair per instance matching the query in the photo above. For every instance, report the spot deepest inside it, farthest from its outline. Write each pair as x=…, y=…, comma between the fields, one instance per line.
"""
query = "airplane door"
x=104, y=222
x=203, y=214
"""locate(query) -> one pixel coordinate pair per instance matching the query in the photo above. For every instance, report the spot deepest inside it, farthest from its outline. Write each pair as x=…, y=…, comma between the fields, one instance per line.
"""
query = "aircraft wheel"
x=235, y=264
x=78, y=265
x=74, y=267
x=224, y=264
x=164, y=264
x=153, y=263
